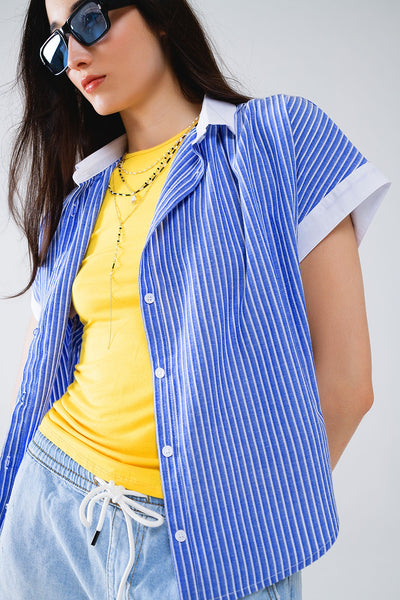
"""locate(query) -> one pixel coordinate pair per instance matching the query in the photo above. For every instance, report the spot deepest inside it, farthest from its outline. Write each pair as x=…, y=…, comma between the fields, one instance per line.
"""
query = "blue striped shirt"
x=248, y=486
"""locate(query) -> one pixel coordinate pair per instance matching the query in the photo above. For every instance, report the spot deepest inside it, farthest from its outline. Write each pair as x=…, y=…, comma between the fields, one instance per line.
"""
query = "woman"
x=192, y=278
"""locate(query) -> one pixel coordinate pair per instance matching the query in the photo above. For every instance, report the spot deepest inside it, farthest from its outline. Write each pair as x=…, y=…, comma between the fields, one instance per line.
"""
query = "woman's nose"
x=78, y=56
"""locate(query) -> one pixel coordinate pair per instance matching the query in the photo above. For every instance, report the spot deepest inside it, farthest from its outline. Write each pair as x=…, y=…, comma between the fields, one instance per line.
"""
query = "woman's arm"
x=334, y=294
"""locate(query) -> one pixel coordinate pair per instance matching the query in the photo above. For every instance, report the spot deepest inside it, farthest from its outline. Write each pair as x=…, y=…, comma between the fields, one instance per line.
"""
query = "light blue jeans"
x=46, y=550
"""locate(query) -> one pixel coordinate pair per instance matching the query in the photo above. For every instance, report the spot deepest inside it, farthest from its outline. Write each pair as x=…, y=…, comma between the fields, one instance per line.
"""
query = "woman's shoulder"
x=277, y=105
x=280, y=120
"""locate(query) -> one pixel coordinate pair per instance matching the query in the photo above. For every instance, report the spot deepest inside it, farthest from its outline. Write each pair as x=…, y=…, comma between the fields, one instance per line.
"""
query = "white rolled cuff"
x=359, y=194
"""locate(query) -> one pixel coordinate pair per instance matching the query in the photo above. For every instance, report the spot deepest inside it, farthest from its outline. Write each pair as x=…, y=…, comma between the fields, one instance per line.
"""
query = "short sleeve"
x=333, y=178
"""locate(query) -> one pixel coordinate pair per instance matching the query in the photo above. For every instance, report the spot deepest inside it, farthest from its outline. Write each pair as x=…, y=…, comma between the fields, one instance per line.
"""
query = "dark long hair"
x=59, y=126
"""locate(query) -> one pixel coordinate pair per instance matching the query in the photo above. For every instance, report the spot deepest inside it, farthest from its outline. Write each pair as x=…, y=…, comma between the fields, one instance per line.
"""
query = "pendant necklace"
x=164, y=160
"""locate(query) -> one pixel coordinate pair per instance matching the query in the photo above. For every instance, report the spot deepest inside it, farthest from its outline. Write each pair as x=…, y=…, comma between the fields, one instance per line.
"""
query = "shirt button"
x=149, y=298
x=180, y=535
x=167, y=451
x=160, y=373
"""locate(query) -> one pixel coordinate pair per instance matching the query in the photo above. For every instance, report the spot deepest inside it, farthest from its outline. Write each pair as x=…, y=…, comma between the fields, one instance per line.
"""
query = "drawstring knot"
x=109, y=492
x=116, y=492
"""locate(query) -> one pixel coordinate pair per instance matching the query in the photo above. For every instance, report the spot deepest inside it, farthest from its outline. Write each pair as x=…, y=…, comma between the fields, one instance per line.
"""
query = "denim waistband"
x=95, y=490
x=56, y=460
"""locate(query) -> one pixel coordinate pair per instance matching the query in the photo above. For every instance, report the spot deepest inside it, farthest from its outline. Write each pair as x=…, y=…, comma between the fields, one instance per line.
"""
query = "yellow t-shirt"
x=105, y=419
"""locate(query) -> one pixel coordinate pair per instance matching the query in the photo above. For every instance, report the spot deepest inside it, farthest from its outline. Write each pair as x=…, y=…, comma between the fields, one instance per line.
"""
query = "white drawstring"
x=117, y=494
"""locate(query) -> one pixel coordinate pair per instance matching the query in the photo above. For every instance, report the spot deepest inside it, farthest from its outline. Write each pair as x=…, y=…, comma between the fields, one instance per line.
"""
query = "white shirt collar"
x=213, y=112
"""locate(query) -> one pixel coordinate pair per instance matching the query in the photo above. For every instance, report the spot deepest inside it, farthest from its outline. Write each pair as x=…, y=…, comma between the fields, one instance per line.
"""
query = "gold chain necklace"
x=194, y=122
x=142, y=170
x=164, y=161
x=133, y=194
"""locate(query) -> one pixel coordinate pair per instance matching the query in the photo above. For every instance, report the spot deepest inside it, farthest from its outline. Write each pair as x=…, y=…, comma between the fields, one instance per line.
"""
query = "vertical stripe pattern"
x=248, y=489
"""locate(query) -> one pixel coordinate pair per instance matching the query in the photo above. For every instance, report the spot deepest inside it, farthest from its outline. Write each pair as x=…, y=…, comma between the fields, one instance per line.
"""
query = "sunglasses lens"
x=89, y=23
x=54, y=54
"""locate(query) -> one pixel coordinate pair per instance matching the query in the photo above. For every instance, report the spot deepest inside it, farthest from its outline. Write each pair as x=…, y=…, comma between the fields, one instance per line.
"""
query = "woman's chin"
x=104, y=107
x=104, y=111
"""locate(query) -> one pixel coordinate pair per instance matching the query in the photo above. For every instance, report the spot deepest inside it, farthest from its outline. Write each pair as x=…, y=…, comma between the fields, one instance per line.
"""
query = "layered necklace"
x=160, y=165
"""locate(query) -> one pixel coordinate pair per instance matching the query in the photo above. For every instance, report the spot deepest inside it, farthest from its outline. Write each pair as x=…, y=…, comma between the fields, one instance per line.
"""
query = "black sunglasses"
x=87, y=24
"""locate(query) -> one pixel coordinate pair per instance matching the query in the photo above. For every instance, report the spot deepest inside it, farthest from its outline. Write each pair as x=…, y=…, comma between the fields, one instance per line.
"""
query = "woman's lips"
x=90, y=84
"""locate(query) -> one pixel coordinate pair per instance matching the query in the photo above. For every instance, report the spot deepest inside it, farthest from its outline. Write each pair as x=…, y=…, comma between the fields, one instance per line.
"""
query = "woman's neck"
x=158, y=119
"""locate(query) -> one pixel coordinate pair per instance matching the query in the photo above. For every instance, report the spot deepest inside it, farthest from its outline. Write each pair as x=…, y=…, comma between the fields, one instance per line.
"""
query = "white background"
x=343, y=55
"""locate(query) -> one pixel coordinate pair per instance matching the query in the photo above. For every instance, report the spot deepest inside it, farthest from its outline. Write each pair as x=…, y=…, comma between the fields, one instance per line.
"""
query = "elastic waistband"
x=56, y=460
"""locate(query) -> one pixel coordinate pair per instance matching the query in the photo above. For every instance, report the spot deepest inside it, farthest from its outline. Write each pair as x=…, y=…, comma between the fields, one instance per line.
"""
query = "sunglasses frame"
x=66, y=29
